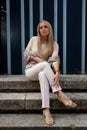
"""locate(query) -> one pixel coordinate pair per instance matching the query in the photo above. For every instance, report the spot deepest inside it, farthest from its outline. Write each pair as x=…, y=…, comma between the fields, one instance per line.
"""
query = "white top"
x=32, y=46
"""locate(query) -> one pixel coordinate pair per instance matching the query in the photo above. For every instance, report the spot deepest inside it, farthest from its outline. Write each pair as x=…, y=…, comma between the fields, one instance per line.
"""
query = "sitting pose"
x=42, y=63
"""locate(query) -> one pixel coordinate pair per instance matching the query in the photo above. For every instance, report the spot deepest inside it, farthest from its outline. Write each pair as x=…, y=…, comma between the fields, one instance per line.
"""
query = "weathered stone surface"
x=74, y=82
x=32, y=101
x=19, y=83
x=18, y=94
x=12, y=101
x=36, y=122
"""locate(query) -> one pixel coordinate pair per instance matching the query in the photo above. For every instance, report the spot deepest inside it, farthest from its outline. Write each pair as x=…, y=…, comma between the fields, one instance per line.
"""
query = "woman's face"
x=44, y=30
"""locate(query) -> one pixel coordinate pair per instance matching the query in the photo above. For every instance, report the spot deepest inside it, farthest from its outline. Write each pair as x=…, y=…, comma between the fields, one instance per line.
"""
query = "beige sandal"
x=66, y=101
x=48, y=118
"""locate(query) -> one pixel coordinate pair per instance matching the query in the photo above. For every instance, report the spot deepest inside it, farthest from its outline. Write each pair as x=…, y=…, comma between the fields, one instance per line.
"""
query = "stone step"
x=19, y=83
x=36, y=122
x=31, y=102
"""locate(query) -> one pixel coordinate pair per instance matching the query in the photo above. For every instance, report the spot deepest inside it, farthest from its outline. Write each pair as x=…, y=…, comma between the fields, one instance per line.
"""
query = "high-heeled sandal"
x=66, y=101
x=48, y=118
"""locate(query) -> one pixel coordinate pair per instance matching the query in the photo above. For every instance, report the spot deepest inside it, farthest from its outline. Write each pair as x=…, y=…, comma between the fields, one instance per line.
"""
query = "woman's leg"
x=32, y=73
x=44, y=86
x=45, y=67
x=65, y=100
x=45, y=75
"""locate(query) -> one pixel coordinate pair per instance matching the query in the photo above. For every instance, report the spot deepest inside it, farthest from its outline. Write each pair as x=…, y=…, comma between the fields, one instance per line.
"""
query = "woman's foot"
x=65, y=100
x=47, y=115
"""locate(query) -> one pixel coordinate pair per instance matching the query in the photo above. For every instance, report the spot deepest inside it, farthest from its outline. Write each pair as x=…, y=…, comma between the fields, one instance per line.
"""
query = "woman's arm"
x=56, y=73
x=55, y=55
x=26, y=54
x=35, y=58
x=55, y=67
x=55, y=64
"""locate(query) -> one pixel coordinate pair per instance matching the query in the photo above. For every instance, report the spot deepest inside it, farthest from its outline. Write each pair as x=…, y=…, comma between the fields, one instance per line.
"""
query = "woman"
x=42, y=63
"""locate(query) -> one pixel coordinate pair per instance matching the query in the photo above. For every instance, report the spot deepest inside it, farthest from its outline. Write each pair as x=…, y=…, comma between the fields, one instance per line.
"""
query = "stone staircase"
x=20, y=104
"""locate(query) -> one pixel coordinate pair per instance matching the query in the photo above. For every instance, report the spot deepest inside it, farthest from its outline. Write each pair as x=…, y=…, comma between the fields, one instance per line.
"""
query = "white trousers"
x=44, y=73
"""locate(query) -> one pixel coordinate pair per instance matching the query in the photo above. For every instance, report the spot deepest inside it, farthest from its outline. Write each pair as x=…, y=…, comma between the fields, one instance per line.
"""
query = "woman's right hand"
x=37, y=59
x=56, y=79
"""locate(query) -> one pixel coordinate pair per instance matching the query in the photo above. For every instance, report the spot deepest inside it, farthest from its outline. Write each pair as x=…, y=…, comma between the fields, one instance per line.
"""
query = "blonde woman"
x=42, y=63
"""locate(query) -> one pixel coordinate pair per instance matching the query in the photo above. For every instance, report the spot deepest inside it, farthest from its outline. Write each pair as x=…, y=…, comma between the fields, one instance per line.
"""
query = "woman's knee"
x=41, y=74
x=46, y=63
x=27, y=74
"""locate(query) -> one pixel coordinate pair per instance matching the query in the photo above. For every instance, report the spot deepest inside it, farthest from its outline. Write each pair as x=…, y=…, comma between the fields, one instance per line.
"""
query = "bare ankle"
x=46, y=110
x=59, y=93
x=48, y=118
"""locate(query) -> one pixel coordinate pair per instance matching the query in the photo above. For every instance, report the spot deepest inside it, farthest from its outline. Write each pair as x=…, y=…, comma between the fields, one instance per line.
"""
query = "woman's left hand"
x=56, y=79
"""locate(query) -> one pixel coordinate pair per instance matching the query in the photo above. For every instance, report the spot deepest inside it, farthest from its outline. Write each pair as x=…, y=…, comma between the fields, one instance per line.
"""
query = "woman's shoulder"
x=34, y=38
x=56, y=44
x=33, y=41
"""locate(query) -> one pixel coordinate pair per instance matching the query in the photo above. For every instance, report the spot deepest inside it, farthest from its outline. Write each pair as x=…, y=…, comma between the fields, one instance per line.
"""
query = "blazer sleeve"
x=27, y=53
x=55, y=54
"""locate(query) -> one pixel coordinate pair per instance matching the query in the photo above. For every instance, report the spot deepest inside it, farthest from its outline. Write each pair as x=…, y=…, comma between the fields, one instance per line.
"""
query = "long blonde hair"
x=49, y=49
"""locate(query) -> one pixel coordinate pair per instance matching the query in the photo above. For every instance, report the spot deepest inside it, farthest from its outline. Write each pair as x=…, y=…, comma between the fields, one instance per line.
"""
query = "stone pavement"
x=20, y=104
x=36, y=121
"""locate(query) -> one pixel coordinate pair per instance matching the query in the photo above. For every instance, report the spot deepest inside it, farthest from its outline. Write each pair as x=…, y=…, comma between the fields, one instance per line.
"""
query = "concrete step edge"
x=19, y=83
x=32, y=101
x=36, y=122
